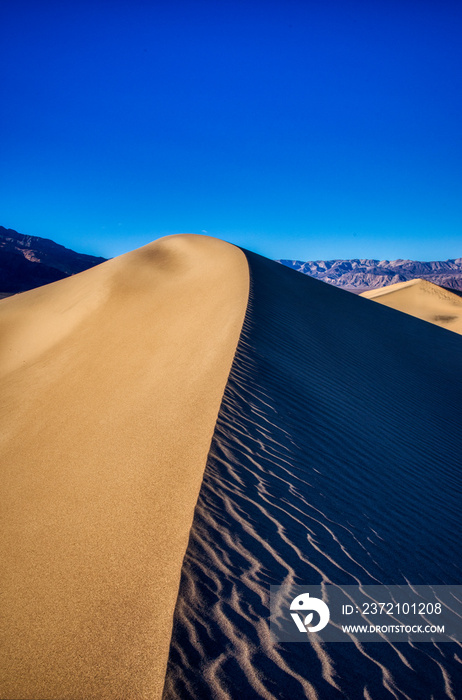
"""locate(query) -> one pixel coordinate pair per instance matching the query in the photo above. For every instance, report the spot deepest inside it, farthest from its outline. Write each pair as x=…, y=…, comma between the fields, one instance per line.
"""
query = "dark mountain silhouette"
x=29, y=261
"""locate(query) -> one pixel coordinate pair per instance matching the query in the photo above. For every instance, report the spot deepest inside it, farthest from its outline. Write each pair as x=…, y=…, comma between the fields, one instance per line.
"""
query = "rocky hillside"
x=360, y=275
x=29, y=261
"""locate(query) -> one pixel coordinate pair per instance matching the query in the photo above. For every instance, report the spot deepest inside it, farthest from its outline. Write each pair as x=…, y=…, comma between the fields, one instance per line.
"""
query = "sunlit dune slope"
x=423, y=299
x=111, y=385
x=336, y=458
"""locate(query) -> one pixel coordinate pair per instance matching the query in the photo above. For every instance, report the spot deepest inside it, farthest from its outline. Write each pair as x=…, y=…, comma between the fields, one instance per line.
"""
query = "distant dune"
x=422, y=299
x=111, y=384
x=188, y=424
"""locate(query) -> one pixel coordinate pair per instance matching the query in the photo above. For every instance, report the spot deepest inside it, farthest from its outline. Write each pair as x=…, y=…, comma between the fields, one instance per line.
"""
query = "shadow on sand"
x=335, y=458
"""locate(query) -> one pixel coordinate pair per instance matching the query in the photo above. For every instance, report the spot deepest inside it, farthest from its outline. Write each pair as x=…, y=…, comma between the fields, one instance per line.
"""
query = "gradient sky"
x=308, y=130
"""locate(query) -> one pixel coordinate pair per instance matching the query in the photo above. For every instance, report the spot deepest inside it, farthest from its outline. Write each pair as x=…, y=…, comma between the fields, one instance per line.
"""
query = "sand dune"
x=111, y=385
x=336, y=458
x=424, y=300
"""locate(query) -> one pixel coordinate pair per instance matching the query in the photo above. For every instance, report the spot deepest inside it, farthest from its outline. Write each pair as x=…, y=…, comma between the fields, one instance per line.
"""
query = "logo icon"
x=304, y=603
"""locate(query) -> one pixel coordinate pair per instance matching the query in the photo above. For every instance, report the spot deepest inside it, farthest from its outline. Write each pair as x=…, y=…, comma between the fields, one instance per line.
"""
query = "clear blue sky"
x=303, y=130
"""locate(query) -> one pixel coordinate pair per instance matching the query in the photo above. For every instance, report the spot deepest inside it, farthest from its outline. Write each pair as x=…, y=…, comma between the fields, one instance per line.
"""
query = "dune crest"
x=111, y=385
x=424, y=300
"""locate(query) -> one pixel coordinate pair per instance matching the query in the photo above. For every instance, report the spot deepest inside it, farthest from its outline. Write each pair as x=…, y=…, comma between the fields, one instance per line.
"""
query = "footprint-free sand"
x=185, y=426
x=110, y=388
x=424, y=300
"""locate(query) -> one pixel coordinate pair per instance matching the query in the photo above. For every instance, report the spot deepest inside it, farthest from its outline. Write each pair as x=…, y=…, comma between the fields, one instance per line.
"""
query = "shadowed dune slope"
x=423, y=299
x=111, y=385
x=335, y=458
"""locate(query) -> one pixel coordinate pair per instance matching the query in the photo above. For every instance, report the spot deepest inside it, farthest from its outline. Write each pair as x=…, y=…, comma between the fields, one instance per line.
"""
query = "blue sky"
x=308, y=130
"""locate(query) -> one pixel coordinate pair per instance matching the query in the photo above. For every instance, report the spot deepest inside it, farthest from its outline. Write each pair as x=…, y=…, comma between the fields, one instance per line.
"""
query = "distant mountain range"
x=360, y=275
x=29, y=261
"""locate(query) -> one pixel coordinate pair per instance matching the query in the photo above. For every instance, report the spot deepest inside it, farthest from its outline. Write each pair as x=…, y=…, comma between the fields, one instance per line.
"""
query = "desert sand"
x=424, y=300
x=111, y=384
x=336, y=458
x=325, y=430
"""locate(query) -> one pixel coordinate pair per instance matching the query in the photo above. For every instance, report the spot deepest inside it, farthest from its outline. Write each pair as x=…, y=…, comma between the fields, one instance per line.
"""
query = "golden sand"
x=111, y=384
x=424, y=300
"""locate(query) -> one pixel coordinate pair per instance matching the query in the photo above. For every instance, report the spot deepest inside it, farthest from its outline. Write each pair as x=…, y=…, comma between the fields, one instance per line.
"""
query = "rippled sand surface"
x=336, y=457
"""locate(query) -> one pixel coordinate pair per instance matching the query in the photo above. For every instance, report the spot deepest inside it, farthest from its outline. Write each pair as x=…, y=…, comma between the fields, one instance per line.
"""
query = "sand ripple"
x=335, y=458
